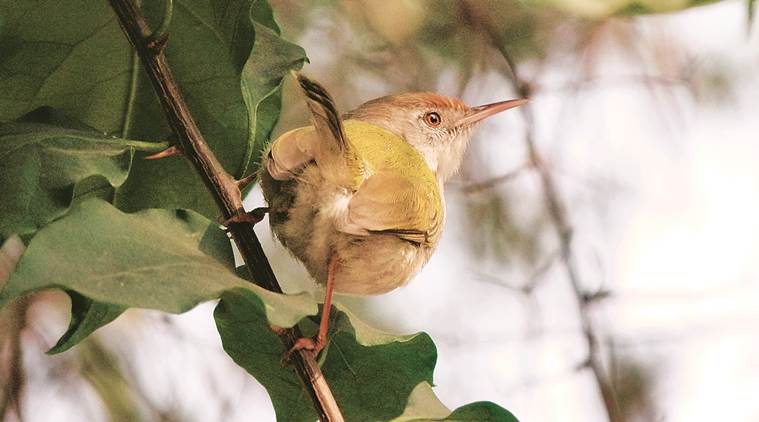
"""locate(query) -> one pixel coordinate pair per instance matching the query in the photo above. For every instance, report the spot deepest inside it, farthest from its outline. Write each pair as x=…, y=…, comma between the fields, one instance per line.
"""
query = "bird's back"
x=396, y=192
x=398, y=183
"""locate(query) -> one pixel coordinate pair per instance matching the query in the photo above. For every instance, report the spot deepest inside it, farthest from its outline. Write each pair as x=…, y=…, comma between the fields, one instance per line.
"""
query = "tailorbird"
x=359, y=199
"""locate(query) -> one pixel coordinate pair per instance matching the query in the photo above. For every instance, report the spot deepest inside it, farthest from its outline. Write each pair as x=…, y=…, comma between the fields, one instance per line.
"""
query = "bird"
x=358, y=198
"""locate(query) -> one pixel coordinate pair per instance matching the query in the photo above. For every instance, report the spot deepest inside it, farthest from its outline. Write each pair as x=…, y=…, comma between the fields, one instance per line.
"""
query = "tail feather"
x=323, y=109
x=337, y=158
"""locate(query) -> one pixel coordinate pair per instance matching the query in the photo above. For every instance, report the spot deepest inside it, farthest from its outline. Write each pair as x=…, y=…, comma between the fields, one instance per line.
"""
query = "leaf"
x=374, y=382
x=157, y=259
x=372, y=373
x=481, y=412
x=252, y=345
x=173, y=260
x=41, y=164
x=423, y=404
x=209, y=43
x=270, y=59
x=88, y=71
x=68, y=55
x=86, y=317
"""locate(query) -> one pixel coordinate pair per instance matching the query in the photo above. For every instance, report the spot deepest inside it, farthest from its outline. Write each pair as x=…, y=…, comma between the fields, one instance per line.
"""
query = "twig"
x=564, y=232
x=486, y=184
x=593, y=82
x=224, y=190
x=12, y=374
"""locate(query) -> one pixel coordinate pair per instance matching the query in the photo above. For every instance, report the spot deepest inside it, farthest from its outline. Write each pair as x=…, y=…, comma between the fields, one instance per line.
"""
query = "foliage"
x=114, y=231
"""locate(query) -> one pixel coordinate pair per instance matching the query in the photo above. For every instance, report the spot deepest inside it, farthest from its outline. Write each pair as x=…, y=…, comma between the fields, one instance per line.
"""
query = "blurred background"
x=598, y=261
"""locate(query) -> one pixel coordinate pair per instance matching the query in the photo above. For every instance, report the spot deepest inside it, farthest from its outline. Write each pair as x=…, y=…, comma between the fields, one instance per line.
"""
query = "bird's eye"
x=432, y=119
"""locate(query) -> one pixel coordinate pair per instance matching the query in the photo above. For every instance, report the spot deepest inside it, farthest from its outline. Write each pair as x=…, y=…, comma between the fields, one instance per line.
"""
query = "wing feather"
x=390, y=203
x=290, y=152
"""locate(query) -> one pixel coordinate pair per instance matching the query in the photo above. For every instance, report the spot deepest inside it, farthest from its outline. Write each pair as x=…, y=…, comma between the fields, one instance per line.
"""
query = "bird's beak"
x=478, y=113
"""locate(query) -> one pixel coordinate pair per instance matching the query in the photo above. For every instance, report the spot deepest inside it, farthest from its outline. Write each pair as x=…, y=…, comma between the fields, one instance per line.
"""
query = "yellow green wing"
x=389, y=202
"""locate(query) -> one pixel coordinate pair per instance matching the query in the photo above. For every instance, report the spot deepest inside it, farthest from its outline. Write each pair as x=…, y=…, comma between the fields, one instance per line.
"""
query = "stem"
x=127, y=126
x=564, y=232
x=12, y=369
x=224, y=190
x=563, y=229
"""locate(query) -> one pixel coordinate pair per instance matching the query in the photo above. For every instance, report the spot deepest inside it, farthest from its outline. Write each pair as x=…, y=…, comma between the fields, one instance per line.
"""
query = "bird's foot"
x=253, y=217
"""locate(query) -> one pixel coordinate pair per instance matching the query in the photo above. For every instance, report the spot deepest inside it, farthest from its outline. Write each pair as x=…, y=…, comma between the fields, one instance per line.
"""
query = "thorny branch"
x=223, y=188
x=558, y=216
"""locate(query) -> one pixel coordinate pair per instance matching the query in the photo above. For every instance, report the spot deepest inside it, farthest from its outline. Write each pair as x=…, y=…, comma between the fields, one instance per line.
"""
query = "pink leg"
x=320, y=341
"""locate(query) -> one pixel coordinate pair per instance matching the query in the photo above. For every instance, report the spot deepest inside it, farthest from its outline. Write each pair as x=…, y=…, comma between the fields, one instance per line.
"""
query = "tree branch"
x=223, y=188
x=12, y=368
x=563, y=230
x=476, y=187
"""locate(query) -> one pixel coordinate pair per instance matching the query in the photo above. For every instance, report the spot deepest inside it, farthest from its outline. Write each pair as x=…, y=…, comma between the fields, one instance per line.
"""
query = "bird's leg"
x=317, y=343
x=253, y=217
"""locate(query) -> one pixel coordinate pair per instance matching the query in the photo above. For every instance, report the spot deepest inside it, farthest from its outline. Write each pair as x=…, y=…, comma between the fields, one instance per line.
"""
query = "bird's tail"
x=323, y=111
x=337, y=158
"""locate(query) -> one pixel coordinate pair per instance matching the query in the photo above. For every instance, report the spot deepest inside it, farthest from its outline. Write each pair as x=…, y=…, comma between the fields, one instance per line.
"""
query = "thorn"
x=157, y=40
x=168, y=152
x=157, y=44
x=247, y=180
x=253, y=217
x=306, y=344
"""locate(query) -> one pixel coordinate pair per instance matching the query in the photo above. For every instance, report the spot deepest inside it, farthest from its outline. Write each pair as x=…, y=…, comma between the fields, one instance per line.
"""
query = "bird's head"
x=438, y=127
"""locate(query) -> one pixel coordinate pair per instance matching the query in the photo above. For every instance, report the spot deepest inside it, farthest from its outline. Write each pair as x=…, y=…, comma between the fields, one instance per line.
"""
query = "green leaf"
x=270, y=59
x=481, y=412
x=423, y=404
x=68, y=55
x=86, y=317
x=173, y=260
x=157, y=259
x=372, y=373
x=73, y=57
x=40, y=165
x=374, y=382
x=249, y=341
x=209, y=44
